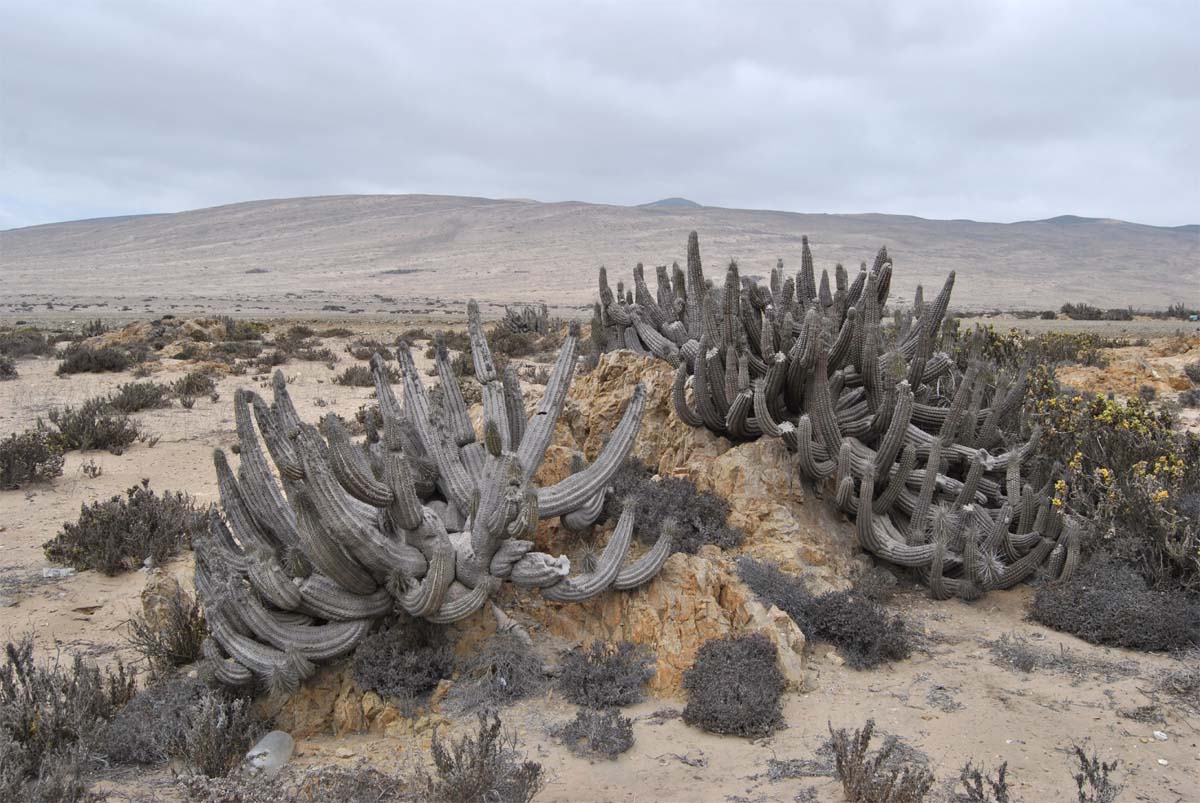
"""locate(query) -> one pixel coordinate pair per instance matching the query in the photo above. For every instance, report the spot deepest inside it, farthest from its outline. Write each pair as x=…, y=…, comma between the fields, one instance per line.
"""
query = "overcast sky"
x=992, y=111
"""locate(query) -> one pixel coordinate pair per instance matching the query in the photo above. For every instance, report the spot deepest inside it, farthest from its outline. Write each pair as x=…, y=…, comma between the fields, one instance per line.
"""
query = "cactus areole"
x=911, y=446
x=429, y=517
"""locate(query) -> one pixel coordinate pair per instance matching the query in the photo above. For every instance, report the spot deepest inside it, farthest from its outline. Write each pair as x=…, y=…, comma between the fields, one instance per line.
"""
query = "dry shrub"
x=486, y=767
x=1106, y=602
x=1094, y=780
x=734, y=687
x=978, y=786
x=216, y=734
x=120, y=534
x=79, y=358
x=860, y=628
x=194, y=383
x=153, y=723
x=597, y=734
x=8, y=368
x=504, y=669
x=25, y=341
x=50, y=718
x=92, y=425
x=405, y=662
x=133, y=397
x=175, y=637
x=874, y=778
x=28, y=458
x=700, y=516
x=606, y=675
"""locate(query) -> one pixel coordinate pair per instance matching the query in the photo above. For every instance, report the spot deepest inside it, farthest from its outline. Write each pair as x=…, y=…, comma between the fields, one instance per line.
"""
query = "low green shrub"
x=79, y=358
x=92, y=425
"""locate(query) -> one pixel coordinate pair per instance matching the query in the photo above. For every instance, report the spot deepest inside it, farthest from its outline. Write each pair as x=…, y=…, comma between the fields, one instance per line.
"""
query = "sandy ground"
x=951, y=700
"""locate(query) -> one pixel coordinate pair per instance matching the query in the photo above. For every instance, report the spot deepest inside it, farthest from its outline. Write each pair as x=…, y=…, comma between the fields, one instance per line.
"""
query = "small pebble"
x=344, y=752
x=1162, y=762
x=1162, y=737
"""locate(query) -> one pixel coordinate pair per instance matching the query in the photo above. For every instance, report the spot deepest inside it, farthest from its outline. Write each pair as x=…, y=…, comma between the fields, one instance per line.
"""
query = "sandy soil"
x=952, y=700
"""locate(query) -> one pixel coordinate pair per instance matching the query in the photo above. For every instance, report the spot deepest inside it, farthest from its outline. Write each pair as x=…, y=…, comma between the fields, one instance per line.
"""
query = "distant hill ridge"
x=358, y=249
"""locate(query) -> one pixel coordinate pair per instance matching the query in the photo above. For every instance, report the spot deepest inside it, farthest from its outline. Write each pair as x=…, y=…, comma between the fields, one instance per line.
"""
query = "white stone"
x=271, y=753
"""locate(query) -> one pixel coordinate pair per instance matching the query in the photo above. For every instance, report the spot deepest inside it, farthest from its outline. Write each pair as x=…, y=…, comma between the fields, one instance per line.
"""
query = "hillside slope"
x=351, y=250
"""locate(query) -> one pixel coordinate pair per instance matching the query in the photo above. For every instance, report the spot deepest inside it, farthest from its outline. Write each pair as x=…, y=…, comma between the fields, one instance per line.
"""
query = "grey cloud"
x=994, y=111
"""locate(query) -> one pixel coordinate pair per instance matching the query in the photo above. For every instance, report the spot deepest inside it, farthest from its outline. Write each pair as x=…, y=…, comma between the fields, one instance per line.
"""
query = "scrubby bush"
x=153, y=723
x=860, y=628
x=121, y=533
x=1093, y=781
x=29, y=457
x=479, y=769
x=1190, y=398
x=605, y=675
x=360, y=376
x=597, y=734
x=133, y=397
x=240, y=331
x=1192, y=371
x=871, y=778
x=195, y=383
x=734, y=687
x=405, y=662
x=1082, y=312
x=505, y=668
x=79, y=358
x=8, y=368
x=217, y=732
x=978, y=786
x=174, y=637
x=700, y=517
x=92, y=425
x=364, y=349
x=50, y=718
x=25, y=341
x=1106, y=602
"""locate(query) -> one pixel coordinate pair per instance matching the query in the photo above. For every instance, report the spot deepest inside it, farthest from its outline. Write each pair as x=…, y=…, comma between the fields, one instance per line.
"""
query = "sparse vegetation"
x=121, y=533
x=92, y=425
x=605, y=675
x=1106, y=602
x=978, y=786
x=217, y=731
x=152, y=724
x=25, y=341
x=79, y=358
x=1094, y=780
x=502, y=670
x=403, y=663
x=734, y=687
x=869, y=777
x=479, y=769
x=195, y=383
x=700, y=516
x=29, y=457
x=133, y=397
x=859, y=627
x=597, y=734
x=8, y=368
x=360, y=376
x=50, y=718
x=174, y=636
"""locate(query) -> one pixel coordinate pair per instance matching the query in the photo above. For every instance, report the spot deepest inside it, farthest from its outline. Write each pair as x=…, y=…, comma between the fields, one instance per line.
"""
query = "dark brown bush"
x=83, y=359
x=874, y=778
x=700, y=516
x=133, y=397
x=405, y=662
x=29, y=457
x=597, y=734
x=121, y=533
x=1107, y=602
x=486, y=767
x=174, y=638
x=734, y=687
x=605, y=675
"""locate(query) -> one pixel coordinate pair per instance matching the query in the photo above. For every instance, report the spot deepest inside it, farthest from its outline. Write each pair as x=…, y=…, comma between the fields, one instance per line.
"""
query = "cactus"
x=299, y=564
x=914, y=447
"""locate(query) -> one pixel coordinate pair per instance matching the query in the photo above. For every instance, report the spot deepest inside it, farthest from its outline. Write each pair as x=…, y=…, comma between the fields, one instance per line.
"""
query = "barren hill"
x=388, y=252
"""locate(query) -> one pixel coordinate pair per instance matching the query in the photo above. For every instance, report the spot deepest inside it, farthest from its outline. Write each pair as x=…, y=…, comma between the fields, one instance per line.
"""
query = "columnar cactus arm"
x=679, y=399
x=575, y=490
x=514, y=404
x=468, y=601
x=424, y=597
x=226, y=670
x=326, y=553
x=314, y=642
x=323, y=598
x=608, y=567
x=645, y=568
x=540, y=430
x=350, y=467
x=263, y=497
x=814, y=460
x=454, y=406
x=244, y=527
x=278, y=446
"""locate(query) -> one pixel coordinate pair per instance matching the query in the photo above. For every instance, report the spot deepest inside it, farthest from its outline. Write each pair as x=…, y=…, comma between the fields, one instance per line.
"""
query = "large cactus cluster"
x=915, y=448
x=431, y=518
x=527, y=318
